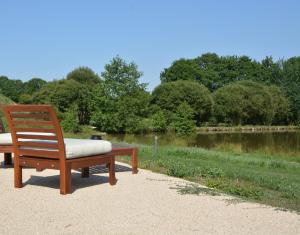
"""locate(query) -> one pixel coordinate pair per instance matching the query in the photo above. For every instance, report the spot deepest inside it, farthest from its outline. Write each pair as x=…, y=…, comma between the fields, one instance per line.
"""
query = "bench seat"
x=75, y=148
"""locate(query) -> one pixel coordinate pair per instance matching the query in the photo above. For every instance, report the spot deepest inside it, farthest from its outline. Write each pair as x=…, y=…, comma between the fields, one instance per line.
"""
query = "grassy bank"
x=272, y=180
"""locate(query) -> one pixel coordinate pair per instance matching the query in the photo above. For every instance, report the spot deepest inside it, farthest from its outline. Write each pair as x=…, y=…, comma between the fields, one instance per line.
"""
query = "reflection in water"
x=268, y=142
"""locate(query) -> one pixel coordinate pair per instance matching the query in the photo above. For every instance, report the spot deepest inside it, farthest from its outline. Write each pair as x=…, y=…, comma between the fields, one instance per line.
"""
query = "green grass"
x=272, y=180
x=269, y=179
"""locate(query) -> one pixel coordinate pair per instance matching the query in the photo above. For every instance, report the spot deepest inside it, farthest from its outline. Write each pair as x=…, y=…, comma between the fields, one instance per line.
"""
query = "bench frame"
x=43, y=119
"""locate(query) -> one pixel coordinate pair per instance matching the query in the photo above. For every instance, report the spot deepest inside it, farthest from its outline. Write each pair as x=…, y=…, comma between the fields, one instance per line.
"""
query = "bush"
x=183, y=122
x=70, y=122
x=168, y=96
x=159, y=122
x=248, y=102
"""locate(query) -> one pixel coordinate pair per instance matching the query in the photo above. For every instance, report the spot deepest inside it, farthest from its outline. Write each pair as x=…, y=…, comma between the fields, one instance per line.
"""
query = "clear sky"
x=47, y=39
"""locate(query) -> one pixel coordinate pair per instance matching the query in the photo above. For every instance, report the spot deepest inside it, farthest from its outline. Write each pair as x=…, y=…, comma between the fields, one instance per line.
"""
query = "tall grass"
x=269, y=179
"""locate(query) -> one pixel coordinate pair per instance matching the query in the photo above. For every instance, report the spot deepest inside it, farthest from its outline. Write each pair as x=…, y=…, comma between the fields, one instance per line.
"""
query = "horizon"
x=48, y=40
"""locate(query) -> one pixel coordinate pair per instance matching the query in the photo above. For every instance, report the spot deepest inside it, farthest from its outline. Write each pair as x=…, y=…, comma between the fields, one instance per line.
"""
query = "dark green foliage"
x=159, y=122
x=120, y=102
x=183, y=121
x=245, y=91
x=248, y=102
x=70, y=121
x=11, y=88
x=33, y=85
x=168, y=96
x=291, y=84
x=216, y=71
x=65, y=93
x=121, y=78
x=84, y=75
x=25, y=99
x=181, y=70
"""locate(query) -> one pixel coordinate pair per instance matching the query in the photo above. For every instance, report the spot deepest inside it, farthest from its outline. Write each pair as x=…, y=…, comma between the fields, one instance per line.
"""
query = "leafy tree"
x=84, y=75
x=215, y=71
x=70, y=122
x=121, y=78
x=248, y=102
x=33, y=85
x=120, y=102
x=65, y=93
x=25, y=99
x=168, y=96
x=181, y=70
x=280, y=104
x=183, y=122
x=159, y=122
x=291, y=85
x=11, y=88
x=229, y=104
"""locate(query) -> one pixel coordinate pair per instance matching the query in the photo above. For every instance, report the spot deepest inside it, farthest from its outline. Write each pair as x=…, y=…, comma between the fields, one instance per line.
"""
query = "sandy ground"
x=146, y=203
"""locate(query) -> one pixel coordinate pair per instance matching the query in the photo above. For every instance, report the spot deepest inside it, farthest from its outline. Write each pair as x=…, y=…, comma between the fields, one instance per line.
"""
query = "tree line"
x=208, y=90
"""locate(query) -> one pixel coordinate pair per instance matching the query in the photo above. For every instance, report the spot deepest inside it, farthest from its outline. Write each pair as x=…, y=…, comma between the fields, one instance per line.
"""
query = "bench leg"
x=112, y=172
x=134, y=161
x=7, y=159
x=65, y=179
x=85, y=172
x=17, y=173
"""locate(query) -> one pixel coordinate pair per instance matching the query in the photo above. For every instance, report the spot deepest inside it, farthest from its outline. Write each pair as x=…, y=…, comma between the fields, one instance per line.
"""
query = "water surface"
x=269, y=142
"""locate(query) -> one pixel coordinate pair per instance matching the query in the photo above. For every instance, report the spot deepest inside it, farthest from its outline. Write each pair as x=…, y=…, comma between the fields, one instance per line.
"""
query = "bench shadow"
x=77, y=181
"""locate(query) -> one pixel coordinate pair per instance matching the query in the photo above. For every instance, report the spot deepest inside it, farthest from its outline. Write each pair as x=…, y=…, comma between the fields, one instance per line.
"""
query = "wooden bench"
x=46, y=150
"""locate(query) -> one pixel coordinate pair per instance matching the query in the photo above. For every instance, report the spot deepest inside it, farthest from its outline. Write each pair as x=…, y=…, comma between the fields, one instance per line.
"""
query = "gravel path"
x=146, y=203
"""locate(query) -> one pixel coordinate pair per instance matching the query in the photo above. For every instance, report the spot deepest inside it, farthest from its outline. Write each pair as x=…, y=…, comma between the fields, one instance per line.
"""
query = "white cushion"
x=83, y=148
x=74, y=147
x=5, y=139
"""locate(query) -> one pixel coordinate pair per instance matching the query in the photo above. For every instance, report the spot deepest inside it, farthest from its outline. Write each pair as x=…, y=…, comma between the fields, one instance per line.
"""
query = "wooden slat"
x=41, y=130
x=36, y=137
x=39, y=153
x=39, y=163
x=31, y=115
x=90, y=161
x=38, y=144
x=29, y=108
x=32, y=123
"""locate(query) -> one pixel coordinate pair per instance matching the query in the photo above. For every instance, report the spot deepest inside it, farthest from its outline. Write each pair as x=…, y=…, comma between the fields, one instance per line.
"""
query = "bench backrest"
x=35, y=131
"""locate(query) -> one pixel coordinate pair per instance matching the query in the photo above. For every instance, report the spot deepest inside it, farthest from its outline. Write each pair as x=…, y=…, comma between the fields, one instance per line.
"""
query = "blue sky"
x=48, y=39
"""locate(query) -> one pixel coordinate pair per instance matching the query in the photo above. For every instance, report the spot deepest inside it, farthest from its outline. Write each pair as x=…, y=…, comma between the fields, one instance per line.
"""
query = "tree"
x=33, y=85
x=181, y=70
x=291, y=85
x=215, y=71
x=248, y=102
x=120, y=102
x=159, y=122
x=11, y=88
x=65, y=93
x=84, y=75
x=281, y=105
x=183, y=122
x=121, y=78
x=70, y=122
x=168, y=96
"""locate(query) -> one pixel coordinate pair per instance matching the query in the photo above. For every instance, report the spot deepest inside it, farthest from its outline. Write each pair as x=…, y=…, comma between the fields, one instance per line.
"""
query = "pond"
x=285, y=143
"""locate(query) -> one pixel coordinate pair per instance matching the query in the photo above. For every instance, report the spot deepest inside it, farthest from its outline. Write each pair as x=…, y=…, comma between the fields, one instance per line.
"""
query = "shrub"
x=70, y=122
x=168, y=96
x=159, y=122
x=183, y=122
